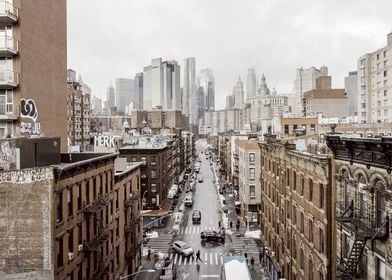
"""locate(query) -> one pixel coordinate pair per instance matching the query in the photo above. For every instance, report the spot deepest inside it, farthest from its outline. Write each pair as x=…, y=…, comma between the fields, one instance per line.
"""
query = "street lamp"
x=137, y=272
x=141, y=228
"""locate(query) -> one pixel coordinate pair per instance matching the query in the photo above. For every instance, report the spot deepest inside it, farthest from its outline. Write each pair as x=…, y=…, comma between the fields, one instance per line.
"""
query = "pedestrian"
x=260, y=256
x=252, y=261
x=198, y=256
x=246, y=256
x=149, y=253
x=237, y=226
x=231, y=224
x=219, y=224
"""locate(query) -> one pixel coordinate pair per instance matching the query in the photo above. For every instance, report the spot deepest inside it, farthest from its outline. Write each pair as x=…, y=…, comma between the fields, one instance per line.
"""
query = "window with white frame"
x=252, y=157
x=252, y=174
x=252, y=191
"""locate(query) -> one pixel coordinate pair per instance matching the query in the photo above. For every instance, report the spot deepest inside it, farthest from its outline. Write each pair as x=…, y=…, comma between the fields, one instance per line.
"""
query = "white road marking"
x=210, y=276
x=216, y=259
x=205, y=257
x=211, y=258
x=175, y=258
x=171, y=256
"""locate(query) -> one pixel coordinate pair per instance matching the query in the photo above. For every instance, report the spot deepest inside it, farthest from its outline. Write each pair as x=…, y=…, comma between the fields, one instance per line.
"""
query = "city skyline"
x=270, y=27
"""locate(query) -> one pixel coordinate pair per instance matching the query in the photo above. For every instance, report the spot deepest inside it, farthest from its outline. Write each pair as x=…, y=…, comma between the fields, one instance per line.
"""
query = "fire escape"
x=365, y=230
x=131, y=228
x=95, y=246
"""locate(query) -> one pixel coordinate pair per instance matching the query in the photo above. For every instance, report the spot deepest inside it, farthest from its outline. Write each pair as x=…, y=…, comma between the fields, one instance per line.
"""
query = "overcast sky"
x=117, y=38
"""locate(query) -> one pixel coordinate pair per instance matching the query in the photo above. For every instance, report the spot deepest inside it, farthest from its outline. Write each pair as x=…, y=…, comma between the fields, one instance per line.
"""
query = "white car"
x=183, y=248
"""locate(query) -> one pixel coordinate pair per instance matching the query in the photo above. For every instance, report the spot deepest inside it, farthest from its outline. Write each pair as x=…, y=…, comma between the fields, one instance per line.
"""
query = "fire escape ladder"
x=355, y=256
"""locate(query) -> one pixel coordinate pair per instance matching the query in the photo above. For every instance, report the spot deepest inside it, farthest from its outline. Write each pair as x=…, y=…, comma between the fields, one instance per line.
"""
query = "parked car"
x=212, y=235
x=196, y=216
x=200, y=180
x=183, y=248
x=188, y=200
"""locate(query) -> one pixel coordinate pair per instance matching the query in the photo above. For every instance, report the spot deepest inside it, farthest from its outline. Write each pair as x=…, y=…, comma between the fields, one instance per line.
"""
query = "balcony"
x=8, y=79
x=96, y=243
x=8, y=46
x=131, y=200
x=9, y=13
x=97, y=205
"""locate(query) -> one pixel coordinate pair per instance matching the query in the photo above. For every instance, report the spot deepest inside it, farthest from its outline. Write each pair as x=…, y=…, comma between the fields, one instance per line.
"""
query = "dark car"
x=196, y=216
x=212, y=235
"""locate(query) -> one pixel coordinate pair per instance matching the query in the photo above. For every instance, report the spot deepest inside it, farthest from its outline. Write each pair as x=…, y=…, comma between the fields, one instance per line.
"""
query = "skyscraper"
x=189, y=106
x=207, y=82
x=110, y=97
x=351, y=88
x=37, y=103
x=138, y=90
x=161, y=85
x=251, y=85
x=238, y=93
x=305, y=81
x=124, y=93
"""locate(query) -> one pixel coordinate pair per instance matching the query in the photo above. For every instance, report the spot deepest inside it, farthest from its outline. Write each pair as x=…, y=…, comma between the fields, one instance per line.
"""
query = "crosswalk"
x=161, y=244
x=242, y=245
x=208, y=258
x=195, y=229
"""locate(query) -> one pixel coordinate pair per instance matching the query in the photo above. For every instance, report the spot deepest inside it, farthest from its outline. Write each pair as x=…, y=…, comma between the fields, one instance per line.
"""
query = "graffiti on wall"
x=26, y=176
x=29, y=114
x=7, y=154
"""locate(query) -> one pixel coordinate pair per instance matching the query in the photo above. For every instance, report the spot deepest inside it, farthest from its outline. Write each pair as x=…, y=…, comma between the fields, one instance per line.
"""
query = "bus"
x=235, y=268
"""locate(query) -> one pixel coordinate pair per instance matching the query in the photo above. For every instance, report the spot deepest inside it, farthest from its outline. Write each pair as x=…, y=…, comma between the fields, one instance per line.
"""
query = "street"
x=207, y=201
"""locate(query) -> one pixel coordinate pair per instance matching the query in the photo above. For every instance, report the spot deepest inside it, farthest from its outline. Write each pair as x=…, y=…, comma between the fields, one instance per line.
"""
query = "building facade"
x=351, y=89
x=305, y=81
x=251, y=83
x=374, y=85
x=79, y=114
x=297, y=212
x=247, y=164
x=189, y=96
x=207, y=82
x=26, y=105
x=124, y=89
x=363, y=204
x=80, y=220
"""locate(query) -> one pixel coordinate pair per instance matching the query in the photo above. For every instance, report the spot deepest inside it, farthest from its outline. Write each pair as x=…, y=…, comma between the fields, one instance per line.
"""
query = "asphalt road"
x=206, y=200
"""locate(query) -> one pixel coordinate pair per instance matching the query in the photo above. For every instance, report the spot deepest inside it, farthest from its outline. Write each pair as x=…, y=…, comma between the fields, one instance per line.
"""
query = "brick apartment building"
x=68, y=217
x=158, y=168
x=79, y=113
x=33, y=42
x=363, y=203
x=297, y=212
x=247, y=165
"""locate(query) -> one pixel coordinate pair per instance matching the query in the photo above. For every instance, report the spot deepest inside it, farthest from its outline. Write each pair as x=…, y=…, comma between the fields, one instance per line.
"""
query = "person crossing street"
x=198, y=256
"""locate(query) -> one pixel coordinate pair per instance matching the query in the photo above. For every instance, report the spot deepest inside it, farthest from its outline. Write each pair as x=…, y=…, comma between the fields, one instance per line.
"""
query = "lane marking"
x=205, y=257
x=216, y=259
x=175, y=258
x=210, y=258
x=210, y=276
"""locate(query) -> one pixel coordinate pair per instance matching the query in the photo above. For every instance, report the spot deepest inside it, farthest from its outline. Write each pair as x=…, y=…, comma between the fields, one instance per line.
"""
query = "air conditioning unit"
x=70, y=256
x=80, y=247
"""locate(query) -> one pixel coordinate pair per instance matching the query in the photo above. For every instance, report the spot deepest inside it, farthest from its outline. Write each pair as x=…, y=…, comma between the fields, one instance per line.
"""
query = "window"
x=302, y=261
x=80, y=233
x=302, y=184
x=59, y=207
x=310, y=189
x=153, y=173
x=380, y=269
x=302, y=222
x=252, y=157
x=79, y=196
x=60, y=253
x=321, y=196
x=321, y=240
x=294, y=180
x=311, y=277
x=294, y=215
x=117, y=200
x=310, y=230
x=6, y=102
x=117, y=228
x=288, y=177
x=252, y=174
x=70, y=201
x=252, y=193
x=385, y=73
x=87, y=191
x=70, y=241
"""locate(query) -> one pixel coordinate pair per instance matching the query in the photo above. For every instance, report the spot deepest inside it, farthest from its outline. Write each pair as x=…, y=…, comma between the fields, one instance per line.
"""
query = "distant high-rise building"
x=161, y=85
x=138, y=90
x=33, y=84
x=96, y=105
x=207, y=82
x=374, y=85
x=189, y=106
x=305, y=81
x=200, y=101
x=238, y=93
x=110, y=97
x=251, y=85
x=124, y=93
x=350, y=86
